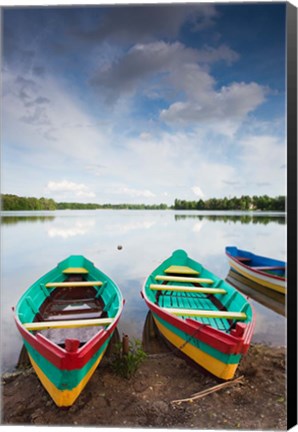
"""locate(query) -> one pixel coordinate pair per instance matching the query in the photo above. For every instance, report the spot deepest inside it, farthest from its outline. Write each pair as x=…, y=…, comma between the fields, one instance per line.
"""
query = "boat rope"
x=177, y=349
x=195, y=333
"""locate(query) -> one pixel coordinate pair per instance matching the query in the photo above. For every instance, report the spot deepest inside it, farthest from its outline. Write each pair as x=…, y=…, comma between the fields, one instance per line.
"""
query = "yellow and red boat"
x=200, y=314
x=66, y=319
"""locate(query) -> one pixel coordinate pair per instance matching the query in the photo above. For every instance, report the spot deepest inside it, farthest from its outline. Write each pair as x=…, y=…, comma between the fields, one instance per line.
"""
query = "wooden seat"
x=181, y=270
x=183, y=279
x=68, y=324
x=181, y=288
x=70, y=284
x=207, y=313
x=77, y=270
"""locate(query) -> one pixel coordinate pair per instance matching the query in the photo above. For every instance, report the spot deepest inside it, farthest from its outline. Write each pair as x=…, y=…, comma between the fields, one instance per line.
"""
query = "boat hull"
x=219, y=365
x=65, y=352
x=63, y=397
x=270, y=281
x=218, y=352
x=63, y=374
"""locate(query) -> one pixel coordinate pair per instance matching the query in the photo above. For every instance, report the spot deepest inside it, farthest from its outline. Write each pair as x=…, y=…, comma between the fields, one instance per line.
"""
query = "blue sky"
x=144, y=104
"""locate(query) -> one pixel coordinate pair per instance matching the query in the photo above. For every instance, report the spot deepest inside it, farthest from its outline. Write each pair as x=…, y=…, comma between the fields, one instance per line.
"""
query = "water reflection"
x=152, y=340
x=267, y=297
x=80, y=227
x=13, y=220
x=243, y=219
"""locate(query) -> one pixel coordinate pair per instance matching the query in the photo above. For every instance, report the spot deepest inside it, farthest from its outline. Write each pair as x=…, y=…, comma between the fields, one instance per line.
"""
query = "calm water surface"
x=32, y=243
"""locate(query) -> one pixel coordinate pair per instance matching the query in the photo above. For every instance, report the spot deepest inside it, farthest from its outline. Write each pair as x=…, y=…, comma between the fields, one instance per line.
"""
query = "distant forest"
x=245, y=202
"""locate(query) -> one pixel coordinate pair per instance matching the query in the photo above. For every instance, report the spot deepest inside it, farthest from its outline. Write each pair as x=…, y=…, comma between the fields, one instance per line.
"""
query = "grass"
x=126, y=364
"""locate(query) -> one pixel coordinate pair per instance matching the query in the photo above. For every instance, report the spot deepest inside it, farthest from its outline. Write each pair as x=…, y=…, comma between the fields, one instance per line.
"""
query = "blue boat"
x=268, y=272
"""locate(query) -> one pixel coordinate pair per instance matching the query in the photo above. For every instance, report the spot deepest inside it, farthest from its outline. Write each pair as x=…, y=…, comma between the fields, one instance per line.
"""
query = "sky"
x=144, y=103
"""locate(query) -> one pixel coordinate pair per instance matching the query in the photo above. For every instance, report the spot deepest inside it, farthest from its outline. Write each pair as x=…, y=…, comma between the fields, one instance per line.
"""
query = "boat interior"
x=184, y=293
x=74, y=307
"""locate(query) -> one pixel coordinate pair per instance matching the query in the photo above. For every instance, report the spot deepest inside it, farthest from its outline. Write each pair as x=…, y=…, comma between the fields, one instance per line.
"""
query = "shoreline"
x=257, y=401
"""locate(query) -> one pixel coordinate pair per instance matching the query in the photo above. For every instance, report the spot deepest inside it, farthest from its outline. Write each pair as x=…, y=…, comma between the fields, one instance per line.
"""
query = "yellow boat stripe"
x=63, y=397
x=211, y=364
x=258, y=280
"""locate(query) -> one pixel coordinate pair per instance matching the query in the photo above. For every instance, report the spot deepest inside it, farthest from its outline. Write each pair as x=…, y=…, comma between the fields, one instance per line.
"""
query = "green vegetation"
x=245, y=202
x=126, y=364
x=80, y=206
x=254, y=218
x=14, y=202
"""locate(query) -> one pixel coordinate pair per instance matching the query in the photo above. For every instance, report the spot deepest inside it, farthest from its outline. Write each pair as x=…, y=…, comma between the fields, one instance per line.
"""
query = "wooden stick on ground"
x=210, y=390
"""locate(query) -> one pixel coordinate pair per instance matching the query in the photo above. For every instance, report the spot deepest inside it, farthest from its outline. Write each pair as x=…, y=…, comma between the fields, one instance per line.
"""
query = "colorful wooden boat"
x=66, y=319
x=268, y=272
x=200, y=314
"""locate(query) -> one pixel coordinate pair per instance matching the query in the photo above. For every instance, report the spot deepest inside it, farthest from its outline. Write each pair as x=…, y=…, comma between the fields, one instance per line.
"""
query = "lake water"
x=32, y=243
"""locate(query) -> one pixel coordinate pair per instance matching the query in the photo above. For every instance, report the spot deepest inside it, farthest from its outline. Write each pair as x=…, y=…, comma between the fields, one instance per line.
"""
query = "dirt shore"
x=258, y=401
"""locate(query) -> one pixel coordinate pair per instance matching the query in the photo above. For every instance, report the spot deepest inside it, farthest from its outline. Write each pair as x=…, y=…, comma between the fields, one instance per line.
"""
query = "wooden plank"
x=268, y=267
x=183, y=279
x=73, y=284
x=68, y=324
x=79, y=270
x=181, y=288
x=181, y=270
x=206, y=313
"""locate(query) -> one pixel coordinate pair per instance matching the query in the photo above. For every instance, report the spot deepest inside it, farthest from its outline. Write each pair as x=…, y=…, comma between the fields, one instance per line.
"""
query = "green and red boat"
x=66, y=319
x=200, y=314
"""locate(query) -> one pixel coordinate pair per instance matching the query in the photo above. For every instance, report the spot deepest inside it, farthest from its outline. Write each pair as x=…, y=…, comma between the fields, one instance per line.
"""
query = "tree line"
x=14, y=202
x=245, y=202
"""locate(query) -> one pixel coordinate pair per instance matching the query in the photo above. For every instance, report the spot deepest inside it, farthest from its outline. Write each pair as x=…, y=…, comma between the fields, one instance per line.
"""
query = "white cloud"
x=172, y=65
x=224, y=110
x=145, y=136
x=262, y=162
x=64, y=186
x=52, y=129
x=197, y=191
x=46, y=118
x=131, y=192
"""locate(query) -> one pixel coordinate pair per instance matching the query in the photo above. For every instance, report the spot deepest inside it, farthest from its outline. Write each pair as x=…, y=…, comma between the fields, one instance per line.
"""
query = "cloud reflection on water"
x=80, y=227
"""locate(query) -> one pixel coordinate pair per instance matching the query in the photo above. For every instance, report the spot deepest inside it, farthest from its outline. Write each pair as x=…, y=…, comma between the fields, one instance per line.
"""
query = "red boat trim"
x=60, y=357
x=224, y=342
x=255, y=270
